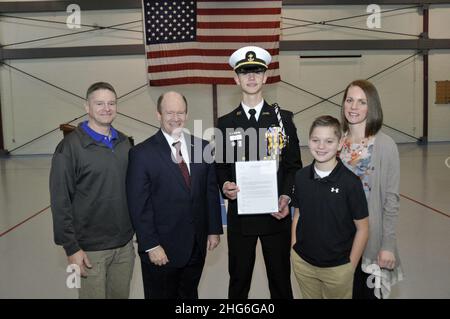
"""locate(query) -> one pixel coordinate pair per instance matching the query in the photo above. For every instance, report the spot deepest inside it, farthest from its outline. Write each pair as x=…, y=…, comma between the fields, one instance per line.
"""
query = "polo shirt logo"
x=336, y=190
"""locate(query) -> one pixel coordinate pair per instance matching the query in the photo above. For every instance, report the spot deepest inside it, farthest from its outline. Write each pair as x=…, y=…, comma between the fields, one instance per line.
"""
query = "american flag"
x=190, y=41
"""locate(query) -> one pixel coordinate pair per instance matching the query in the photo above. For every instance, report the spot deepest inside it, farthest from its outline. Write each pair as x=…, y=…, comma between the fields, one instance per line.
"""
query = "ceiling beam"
x=318, y=45
x=300, y=45
x=71, y=52
x=359, y=2
x=52, y=6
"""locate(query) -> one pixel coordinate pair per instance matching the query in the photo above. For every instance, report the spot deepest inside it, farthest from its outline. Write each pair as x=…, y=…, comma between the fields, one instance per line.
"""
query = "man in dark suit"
x=174, y=204
x=275, y=138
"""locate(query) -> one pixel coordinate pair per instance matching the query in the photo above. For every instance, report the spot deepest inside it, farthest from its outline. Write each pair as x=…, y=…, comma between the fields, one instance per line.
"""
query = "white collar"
x=257, y=108
x=321, y=173
x=171, y=140
x=183, y=147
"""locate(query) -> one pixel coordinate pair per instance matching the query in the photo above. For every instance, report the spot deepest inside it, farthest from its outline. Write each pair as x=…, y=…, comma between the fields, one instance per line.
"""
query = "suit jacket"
x=164, y=210
x=290, y=162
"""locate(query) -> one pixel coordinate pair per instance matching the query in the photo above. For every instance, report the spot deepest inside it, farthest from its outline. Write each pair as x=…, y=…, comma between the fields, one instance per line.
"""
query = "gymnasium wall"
x=31, y=108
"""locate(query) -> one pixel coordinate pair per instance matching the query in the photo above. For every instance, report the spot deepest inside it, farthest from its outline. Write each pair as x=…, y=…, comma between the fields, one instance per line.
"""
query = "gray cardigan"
x=383, y=203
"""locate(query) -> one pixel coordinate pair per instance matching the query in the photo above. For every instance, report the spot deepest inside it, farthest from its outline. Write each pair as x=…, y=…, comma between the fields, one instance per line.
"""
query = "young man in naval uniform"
x=276, y=137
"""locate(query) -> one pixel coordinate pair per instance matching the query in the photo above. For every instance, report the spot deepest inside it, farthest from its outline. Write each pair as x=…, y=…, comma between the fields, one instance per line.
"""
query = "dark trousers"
x=166, y=282
x=241, y=260
x=360, y=288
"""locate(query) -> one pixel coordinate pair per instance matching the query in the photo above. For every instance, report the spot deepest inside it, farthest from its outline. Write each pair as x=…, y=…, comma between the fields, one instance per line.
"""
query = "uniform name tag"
x=235, y=137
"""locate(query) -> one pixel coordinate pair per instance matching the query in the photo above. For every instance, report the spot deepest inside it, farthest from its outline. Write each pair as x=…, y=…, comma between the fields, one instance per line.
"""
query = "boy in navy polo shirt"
x=330, y=226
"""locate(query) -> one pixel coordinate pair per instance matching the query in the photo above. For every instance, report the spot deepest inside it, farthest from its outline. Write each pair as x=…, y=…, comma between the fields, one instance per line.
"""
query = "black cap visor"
x=250, y=68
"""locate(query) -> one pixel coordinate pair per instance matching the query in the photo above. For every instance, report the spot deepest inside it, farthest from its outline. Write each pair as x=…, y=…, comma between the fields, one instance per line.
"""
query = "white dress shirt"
x=184, y=150
x=257, y=108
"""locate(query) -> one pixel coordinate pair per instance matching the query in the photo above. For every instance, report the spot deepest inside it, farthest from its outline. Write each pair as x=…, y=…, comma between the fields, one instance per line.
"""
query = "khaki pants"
x=323, y=283
x=110, y=275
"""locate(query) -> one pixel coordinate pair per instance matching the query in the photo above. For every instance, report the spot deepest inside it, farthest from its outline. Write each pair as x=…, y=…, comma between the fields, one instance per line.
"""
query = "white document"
x=258, y=190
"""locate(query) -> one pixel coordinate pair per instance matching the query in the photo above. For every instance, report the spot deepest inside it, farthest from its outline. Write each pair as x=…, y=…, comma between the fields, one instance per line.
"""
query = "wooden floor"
x=31, y=266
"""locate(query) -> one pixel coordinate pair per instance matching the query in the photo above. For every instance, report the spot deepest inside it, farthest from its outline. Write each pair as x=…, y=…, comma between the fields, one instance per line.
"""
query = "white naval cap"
x=250, y=58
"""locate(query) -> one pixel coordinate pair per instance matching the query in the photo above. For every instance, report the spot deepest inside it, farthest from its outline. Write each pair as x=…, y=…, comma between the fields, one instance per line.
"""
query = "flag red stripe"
x=273, y=79
x=197, y=66
x=243, y=11
x=223, y=26
x=244, y=39
x=199, y=52
x=238, y=25
x=202, y=80
x=193, y=80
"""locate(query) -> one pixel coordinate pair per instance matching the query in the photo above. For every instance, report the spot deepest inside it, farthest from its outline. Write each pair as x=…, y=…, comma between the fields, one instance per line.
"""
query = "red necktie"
x=182, y=163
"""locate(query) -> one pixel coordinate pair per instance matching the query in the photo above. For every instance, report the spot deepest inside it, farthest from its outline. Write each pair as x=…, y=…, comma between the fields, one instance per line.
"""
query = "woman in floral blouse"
x=373, y=156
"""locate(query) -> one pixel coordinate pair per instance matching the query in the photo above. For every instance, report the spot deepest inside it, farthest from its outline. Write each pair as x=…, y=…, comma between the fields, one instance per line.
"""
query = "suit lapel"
x=166, y=156
x=192, y=166
x=240, y=118
x=267, y=117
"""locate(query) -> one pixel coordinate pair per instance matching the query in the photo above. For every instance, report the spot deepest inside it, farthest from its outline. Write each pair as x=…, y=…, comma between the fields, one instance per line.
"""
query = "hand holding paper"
x=283, y=207
x=230, y=190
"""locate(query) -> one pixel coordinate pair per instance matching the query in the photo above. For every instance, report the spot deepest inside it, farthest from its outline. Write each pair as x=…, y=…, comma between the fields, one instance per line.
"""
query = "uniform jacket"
x=290, y=162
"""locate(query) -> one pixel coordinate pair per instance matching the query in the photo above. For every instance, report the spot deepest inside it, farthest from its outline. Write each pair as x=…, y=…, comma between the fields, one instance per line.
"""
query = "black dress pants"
x=276, y=250
x=167, y=282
